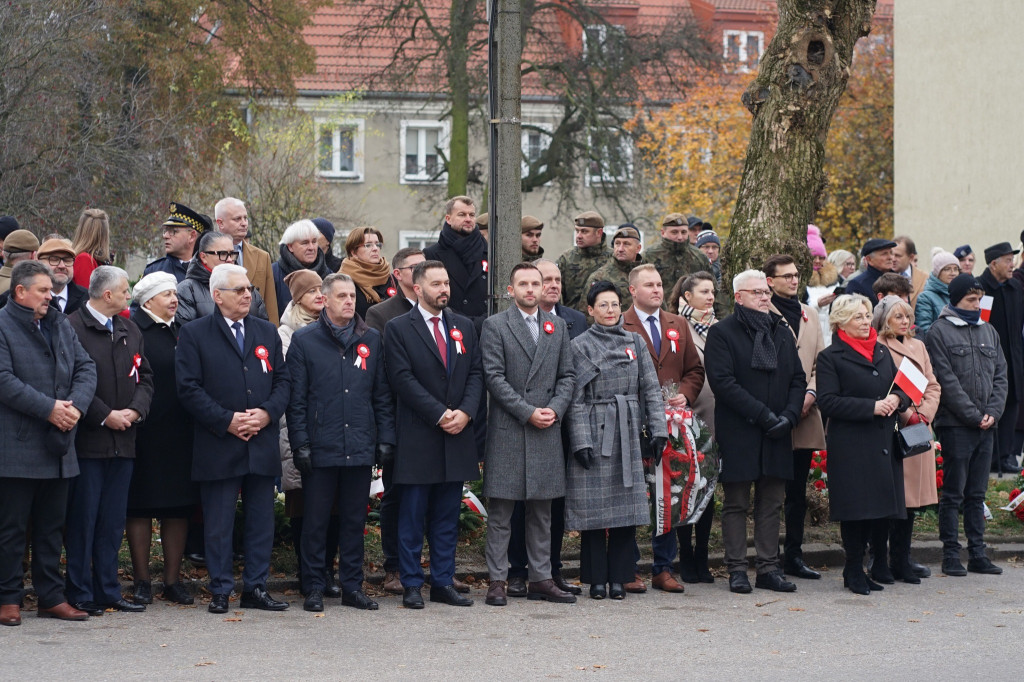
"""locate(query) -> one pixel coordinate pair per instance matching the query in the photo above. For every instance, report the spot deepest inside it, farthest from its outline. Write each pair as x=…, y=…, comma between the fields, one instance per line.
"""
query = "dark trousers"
x=97, y=505
x=1004, y=458
x=330, y=549
x=517, y=542
x=43, y=501
x=389, y=519
x=219, y=501
x=606, y=555
x=321, y=487
x=768, y=495
x=440, y=503
x=966, y=456
x=666, y=546
x=796, y=505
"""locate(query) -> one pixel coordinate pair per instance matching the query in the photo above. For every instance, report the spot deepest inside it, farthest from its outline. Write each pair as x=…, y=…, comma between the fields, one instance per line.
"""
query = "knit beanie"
x=301, y=281
x=814, y=241
x=941, y=259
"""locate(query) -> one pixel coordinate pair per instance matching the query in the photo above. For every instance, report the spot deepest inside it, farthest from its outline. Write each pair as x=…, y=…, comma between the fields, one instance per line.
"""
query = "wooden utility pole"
x=505, y=200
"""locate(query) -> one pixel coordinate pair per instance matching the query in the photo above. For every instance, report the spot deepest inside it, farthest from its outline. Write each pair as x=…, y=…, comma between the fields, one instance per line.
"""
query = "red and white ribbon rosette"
x=362, y=352
x=457, y=338
x=549, y=327
x=391, y=292
x=673, y=336
x=485, y=265
x=136, y=363
x=264, y=357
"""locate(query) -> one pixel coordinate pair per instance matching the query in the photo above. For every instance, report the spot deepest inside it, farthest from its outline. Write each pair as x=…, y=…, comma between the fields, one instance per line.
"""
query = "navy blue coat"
x=424, y=390
x=575, y=321
x=215, y=381
x=342, y=411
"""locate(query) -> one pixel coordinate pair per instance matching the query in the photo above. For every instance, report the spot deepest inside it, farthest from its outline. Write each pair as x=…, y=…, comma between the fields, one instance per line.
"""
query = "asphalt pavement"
x=945, y=628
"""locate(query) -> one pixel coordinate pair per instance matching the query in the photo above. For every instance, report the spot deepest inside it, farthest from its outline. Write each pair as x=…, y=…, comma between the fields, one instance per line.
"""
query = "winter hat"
x=326, y=228
x=301, y=281
x=815, y=242
x=941, y=259
x=8, y=224
x=151, y=285
x=707, y=237
x=961, y=284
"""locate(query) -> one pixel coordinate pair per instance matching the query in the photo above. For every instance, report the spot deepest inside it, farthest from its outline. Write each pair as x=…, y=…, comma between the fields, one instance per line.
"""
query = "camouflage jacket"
x=675, y=260
x=530, y=257
x=576, y=264
x=618, y=274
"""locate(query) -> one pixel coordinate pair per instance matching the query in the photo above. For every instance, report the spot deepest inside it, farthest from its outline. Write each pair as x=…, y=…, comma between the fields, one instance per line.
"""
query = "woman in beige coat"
x=894, y=321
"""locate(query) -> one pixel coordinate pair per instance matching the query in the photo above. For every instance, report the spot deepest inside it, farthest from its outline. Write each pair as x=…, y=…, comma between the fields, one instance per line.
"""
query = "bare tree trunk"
x=803, y=74
x=461, y=22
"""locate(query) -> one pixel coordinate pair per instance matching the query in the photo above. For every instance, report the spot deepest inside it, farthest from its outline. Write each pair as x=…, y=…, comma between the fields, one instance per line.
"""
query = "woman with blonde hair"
x=368, y=268
x=91, y=244
x=894, y=322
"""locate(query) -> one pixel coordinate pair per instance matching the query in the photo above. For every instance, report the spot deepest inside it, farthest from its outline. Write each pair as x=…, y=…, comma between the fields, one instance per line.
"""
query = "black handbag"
x=914, y=439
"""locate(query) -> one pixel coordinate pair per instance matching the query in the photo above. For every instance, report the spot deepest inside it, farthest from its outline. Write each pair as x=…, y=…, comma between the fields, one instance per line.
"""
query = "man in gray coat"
x=46, y=383
x=528, y=371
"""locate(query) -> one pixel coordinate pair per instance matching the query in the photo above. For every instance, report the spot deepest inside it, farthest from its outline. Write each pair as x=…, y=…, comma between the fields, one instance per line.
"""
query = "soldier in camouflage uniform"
x=588, y=255
x=673, y=255
x=625, y=256
x=531, y=229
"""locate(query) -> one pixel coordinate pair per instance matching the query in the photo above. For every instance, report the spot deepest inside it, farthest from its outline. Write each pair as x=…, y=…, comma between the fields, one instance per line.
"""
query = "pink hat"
x=814, y=242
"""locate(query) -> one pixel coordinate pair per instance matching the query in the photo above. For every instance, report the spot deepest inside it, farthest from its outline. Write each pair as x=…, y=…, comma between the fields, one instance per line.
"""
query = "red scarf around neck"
x=865, y=347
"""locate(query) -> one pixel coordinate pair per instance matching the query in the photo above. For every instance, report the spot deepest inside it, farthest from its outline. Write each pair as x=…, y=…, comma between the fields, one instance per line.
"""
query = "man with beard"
x=60, y=256
x=531, y=229
x=299, y=250
x=674, y=255
x=579, y=262
x=463, y=251
x=626, y=248
x=433, y=363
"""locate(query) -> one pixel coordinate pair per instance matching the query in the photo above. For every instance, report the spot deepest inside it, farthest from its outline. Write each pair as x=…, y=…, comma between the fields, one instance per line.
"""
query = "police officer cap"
x=183, y=216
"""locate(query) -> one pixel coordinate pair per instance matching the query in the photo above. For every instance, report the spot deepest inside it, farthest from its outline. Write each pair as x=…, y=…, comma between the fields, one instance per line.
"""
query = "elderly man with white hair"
x=300, y=250
x=233, y=220
x=754, y=370
x=231, y=377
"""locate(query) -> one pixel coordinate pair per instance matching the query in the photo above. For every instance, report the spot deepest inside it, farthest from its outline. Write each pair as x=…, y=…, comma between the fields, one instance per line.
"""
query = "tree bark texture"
x=803, y=74
x=461, y=22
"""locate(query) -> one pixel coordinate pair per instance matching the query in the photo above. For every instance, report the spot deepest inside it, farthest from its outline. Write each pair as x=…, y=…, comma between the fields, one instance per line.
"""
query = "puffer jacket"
x=930, y=303
x=971, y=370
x=195, y=300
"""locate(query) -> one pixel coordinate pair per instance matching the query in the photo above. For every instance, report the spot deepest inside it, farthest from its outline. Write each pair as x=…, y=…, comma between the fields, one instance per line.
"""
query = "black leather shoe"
x=774, y=581
x=704, y=574
x=447, y=594
x=953, y=567
x=516, y=587
x=872, y=585
x=124, y=605
x=984, y=565
x=412, y=599
x=616, y=591
x=358, y=599
x=598, y=591
x=856, y=581
x=196, y=559
x=142, y=592
x=739, y=582
x=797, y=568
x=177, y=594
x=561, y=584
x=259, y=598
x=688, y=571
x=332, y=590
x=314, y=601
x=92, y=608
x=219, y=604
x=881, y=573
x=921, y=570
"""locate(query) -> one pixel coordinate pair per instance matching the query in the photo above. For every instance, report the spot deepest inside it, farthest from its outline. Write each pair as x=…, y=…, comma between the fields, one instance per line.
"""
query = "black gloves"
x=585, y=457
x=768, y=421
x=658, y=447
x=385, y=454
x=302, y=459
x=780, y=429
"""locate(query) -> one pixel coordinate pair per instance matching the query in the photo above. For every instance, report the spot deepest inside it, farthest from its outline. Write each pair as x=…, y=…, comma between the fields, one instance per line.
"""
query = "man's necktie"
x=239, y=336
x=442, y=347
x=531, y=322
x=655, y=336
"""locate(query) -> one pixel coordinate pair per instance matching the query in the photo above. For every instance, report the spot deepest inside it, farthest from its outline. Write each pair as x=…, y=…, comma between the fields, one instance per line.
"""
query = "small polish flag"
x=986, y=307
x=910, y=379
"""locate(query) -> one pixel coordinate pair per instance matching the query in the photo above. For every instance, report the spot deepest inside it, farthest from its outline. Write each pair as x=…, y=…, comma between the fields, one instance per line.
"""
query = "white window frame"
x=405, y=237
x=443, y=140
x=603, y=179
x=742, y=56
x=525, y=145
x=602, y=35
x=358, y=128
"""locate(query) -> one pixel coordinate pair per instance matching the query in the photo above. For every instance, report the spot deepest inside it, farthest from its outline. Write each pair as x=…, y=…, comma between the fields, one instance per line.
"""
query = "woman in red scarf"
x=858, y=400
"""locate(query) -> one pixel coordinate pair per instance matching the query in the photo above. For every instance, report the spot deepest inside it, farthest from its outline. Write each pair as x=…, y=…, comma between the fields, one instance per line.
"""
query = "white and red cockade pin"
x=136, y=363
x=484, y=263
x=391, y=292
x=264, y=357
x=630, y=354
x=362, y=352
x=673, y=336
x=457, y=338
x=803, y=314
x=549, y=327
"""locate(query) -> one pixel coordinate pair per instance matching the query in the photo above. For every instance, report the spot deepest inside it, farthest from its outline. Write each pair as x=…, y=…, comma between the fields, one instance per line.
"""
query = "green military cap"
x=626, y=231
x=589, y=219
x=483, y=220
x=674, y=220
x=530, y=223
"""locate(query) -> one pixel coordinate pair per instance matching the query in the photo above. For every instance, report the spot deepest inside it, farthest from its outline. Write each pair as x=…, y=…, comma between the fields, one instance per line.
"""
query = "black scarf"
x=764, y=355
x=342, y=334
x=470, y=248
x=969, y=316
x=790, y=309
x=289, y=263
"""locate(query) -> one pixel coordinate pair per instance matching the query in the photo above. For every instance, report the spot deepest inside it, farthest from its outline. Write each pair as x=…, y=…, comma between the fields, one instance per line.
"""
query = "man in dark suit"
x=60, y=256
x=232, y=379
x=576, y=324
x=433, y=362
x=377, y=318
x=676, y=360
x=105, y=442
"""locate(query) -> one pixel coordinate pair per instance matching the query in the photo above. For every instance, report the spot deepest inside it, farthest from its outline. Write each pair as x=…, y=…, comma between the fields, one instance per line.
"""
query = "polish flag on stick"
x=986, y=307
x=910, y=379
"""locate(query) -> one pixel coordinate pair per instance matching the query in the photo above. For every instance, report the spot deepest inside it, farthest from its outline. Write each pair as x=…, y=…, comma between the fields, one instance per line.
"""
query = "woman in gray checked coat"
x=606, y=496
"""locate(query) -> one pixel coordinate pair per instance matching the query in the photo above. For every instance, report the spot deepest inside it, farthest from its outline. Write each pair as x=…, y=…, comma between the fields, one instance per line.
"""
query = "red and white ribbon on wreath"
x=673, y=336
x=549, y=327
x=457, y=338
x=630, y=354
x=136, y=364
x=675, y=418
x=362, y=352
x=264, y=357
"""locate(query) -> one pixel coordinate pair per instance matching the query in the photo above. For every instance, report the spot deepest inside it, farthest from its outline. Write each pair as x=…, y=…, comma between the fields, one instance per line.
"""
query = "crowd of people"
x=222, y=374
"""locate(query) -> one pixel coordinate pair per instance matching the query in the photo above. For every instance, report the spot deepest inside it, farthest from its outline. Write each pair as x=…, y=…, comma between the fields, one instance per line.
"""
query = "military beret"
x=183, y=216
x=483, y=221
x=21, y=241
x=626, y=231
x=589, y=219
x=530, y=223
x=674, y=220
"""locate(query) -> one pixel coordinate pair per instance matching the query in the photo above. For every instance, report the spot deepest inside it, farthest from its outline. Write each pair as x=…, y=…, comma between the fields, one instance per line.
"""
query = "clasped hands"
x=886, y=406
x=453, y=422
x=121, y=420
x=64, y=415
x=245, y=425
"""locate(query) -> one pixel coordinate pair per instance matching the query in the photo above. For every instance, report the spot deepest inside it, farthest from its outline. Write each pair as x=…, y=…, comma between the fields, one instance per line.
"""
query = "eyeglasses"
x=57, y=260
x=373, y=245
x=608, y=305
x=758, y=293
x=240, y=290
x=223, y=256
x=791, y=277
